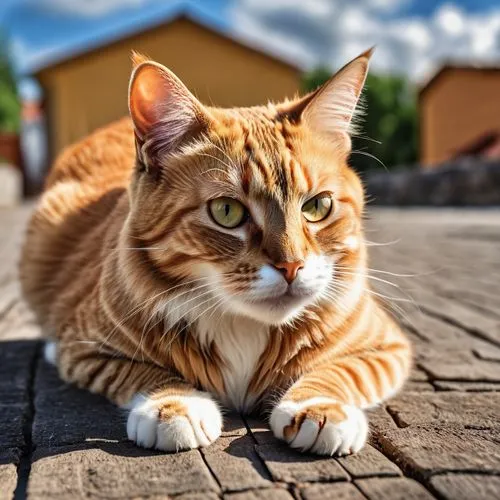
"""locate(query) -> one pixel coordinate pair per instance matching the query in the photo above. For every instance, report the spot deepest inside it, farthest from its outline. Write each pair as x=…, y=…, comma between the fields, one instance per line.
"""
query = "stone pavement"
x=440, y=438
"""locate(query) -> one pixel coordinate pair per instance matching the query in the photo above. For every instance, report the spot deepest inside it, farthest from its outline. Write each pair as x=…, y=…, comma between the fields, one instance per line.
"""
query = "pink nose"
x=289, y=269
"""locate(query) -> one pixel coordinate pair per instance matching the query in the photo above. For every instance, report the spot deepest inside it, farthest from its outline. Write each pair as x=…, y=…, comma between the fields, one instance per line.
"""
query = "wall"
x=456, y=109
x=91, y=90
x=467, y=182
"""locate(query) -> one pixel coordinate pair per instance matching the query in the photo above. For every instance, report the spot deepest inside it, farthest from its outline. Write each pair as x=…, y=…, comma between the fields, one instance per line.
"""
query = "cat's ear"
x=138, y=58
x=162, y=109
x=330, y=109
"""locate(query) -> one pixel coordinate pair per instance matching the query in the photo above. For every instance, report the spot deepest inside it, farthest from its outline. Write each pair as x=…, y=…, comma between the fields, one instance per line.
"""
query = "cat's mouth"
x=279, y=303
x=276, y=309
x=286, y=300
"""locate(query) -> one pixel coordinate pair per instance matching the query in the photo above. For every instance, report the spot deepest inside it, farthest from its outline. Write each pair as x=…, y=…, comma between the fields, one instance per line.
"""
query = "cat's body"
x=157, y=299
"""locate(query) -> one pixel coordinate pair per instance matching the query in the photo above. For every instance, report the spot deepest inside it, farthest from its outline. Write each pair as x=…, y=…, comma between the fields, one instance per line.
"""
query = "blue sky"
x=427, y=7
x=412, y=36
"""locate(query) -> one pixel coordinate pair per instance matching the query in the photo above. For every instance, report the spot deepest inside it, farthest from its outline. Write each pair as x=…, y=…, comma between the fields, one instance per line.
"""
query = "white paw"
x=50, y=352
x=174, y=423
x=320, y=425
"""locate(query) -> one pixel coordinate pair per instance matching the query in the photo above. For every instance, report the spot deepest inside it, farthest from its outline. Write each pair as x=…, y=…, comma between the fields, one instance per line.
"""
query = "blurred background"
x=431, y=132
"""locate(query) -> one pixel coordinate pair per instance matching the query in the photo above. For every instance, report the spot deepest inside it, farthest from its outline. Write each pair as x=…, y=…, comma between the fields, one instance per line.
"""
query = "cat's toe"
x=344, y=437
x=174, y=423
x=320, y=425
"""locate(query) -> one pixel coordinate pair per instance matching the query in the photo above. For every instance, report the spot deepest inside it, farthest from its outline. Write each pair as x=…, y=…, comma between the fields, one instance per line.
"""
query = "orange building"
x=88, y=90
x=459, y=112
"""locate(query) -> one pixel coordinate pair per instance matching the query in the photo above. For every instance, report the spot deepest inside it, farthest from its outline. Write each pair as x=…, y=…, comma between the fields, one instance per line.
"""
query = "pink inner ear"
x=163, y=110
x=149, y=92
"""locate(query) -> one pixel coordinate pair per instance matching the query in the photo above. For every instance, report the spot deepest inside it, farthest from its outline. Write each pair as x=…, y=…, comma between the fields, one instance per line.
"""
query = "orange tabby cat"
x=196, y=255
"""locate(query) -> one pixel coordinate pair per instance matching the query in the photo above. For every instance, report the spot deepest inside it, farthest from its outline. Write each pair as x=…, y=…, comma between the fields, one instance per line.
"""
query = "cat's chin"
x=273, y=311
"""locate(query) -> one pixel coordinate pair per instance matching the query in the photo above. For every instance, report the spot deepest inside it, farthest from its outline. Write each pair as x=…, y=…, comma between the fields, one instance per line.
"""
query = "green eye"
x=227, y=212
x=317, y=208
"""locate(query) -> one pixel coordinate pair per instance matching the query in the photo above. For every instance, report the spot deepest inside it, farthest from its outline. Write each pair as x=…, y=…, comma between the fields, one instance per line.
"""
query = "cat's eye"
x=227, y=212
x=318, y=208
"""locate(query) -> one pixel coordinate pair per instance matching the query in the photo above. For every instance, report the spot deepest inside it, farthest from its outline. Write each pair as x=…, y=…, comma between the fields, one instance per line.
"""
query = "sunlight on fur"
x=191, y=258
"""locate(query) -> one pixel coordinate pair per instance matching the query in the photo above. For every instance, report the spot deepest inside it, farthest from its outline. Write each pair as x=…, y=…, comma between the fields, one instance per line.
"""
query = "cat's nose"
x=289, y=269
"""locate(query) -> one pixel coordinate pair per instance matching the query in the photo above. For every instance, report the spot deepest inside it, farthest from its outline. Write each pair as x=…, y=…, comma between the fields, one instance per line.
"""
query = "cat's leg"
x=165, y=412
x=323, y=411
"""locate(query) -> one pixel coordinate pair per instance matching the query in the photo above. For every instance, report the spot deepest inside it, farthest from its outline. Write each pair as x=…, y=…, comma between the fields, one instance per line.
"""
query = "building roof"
x=180, y=10
x=449, y=67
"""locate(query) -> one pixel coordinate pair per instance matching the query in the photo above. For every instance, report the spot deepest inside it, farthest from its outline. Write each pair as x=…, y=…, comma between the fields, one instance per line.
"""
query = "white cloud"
x=323, y=31
x=450, y=20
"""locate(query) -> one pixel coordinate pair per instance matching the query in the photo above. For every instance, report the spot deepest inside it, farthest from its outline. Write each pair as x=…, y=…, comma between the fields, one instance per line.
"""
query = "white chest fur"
x=241, y=342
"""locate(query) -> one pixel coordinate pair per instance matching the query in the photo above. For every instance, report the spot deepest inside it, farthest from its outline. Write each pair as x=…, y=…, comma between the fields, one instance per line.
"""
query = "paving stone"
x=10, y=295
x=236, y=464
x=411, y=386
x=447, y=408
x=8, y=481
x=115, y=471
x=205, y=495
x=422, y=451
x=418, y=375
x=491, y=353
x=466, y=486
x=484, y=303
x=368, y=462
x=19, y=323
x=467, y=386
x=464, y=281
x=380, y=420
x=234, y=425
x=486, y=327
x=415, y=340
x=16, y=366
x=66, y=415
x=12, y=420
x=460, y=365
x=268, y=494
x=288, y=465
x=16, y=360
x=334, y=491
x=260, y=430
x=438, y=332
x=9, y=460
x=393, y=489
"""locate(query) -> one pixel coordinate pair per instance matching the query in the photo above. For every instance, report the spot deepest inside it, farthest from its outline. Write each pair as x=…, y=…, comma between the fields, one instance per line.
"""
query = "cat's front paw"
x=173, y=422
x=320, y=425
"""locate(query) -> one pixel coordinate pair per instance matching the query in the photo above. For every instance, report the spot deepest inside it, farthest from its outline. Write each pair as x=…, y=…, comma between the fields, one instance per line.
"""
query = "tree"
x=315, y=78
x=10, y=107
x=388, y=130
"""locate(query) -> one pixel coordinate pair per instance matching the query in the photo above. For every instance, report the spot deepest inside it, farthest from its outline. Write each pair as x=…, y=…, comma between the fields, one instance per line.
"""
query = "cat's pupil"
x=227, y=209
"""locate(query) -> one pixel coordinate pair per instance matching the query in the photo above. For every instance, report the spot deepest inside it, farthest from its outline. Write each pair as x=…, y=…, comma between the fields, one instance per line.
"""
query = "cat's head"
x=253, y=208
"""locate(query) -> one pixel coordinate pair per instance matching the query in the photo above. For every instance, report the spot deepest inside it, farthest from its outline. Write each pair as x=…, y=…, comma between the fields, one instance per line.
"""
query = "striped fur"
x=154, y=305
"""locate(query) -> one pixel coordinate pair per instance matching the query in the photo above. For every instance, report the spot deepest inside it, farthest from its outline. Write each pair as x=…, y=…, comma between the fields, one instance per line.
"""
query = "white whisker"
x=369, y=155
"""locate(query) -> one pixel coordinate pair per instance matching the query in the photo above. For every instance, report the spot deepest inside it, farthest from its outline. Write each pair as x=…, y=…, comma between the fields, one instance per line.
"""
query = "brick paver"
x=438, y=439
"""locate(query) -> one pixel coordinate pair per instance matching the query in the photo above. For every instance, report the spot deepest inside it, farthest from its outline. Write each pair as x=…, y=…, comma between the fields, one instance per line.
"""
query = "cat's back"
x=85, y=192
x=106, y=155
